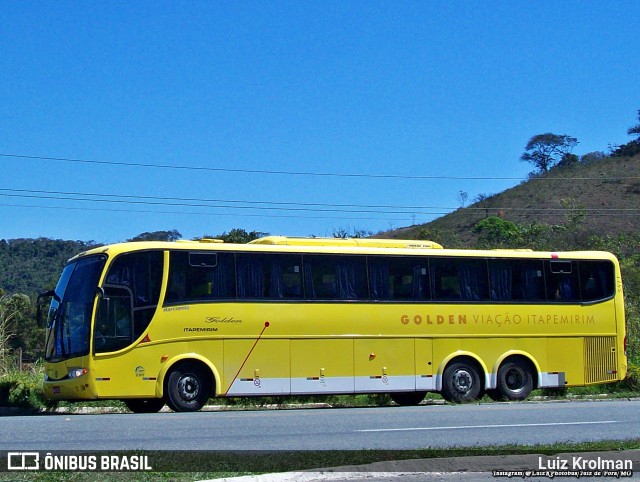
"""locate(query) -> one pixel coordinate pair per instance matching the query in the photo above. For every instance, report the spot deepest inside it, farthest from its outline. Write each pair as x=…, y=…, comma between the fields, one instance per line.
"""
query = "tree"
x=12, y=308
x=462, y=198
x=172, y=235
x=496, y=232
x=546, y=150
x=594, y=156
x=635, y=130
x=569, y=160
x=238, y=235
x=346, y=233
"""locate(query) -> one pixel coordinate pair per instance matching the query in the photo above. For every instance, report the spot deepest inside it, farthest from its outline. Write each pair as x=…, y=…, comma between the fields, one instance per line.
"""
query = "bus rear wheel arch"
x=188, y=386
x=462, y=381
x=515, y=379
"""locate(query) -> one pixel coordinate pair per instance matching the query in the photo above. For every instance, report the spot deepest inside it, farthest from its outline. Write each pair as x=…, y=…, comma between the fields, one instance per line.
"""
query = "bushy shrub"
x=632, y=381
x=23, y=389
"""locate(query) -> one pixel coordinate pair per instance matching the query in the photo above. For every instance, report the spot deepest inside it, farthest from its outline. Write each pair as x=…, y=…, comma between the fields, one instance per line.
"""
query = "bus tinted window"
x=329, y=277
x=562, y=281
x=596, y=280
x=396, y=278
x=516, y=279
x=202, y=276
x=269, y=276
x=459, y=279
x=210, y=278
x=203, y=260
x=131, y=293
x=141, y=272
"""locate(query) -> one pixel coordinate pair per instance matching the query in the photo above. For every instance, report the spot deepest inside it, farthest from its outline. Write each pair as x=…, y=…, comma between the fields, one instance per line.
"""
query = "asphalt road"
x=317, y=429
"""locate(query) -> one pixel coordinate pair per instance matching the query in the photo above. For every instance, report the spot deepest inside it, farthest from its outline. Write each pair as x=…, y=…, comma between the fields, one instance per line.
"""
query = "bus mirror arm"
x=101, y=293
x=49, y=294
x=38, y=314
x=103, y=297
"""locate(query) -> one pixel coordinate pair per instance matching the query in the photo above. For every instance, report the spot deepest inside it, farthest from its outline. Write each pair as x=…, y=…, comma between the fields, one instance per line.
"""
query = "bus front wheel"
x=461, y=383
x=515, y=381
x=187, y=388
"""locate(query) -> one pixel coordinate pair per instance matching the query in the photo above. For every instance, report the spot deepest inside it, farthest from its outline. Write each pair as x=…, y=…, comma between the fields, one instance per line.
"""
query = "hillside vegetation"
x=595, y=198
x=33, y=265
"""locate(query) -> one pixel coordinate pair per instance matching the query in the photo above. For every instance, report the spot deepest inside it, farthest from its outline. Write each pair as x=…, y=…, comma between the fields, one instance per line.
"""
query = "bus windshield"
x=69, y=320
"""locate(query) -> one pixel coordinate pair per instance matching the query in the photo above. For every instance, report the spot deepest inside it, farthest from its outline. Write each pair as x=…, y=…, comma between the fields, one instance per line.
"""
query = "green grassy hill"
x=33, y=265
x=601, y=196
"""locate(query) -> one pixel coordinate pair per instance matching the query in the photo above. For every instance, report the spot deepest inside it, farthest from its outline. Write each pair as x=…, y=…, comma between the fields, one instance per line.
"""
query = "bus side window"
x=531, y=281
x=286, y=277
x=474, y=285
x=199, y=276
x=250, y=272
x=517, y=280
x=501, y=279
x=562, y=281
x=444, y=280
x=596, y=280
x=113, y=330
x=335, y=277
x=463, y=279
x=398, y=278
x=269, y=276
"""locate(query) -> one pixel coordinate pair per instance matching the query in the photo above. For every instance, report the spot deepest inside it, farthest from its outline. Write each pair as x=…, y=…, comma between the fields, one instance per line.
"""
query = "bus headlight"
x=77, y=372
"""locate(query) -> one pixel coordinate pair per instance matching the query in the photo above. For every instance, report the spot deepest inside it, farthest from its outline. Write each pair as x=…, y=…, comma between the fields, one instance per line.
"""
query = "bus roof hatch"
x=360, y=242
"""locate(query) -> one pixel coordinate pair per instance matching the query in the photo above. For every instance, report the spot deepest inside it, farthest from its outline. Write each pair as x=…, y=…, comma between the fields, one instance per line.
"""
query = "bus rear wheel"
x=461, y=383
x=515, y=381
x=406, y=399
x=144, y=405
x=188, y=388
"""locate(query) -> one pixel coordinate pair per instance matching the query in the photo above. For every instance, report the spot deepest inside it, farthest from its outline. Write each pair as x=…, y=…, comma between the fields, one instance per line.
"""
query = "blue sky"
x=403, y=103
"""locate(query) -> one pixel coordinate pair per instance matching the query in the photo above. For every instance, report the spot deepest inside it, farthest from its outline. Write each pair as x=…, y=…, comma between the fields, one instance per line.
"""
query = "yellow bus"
x=177, y=323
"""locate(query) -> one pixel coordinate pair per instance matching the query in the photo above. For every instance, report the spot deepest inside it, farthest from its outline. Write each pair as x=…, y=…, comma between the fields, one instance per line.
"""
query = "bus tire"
x=144, y=405
x=515, y=380
x=461, y=382
x=406, y=399
x=187, y=388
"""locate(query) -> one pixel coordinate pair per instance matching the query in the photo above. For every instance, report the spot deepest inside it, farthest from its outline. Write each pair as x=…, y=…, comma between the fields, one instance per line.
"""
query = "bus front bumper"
x=69, y=389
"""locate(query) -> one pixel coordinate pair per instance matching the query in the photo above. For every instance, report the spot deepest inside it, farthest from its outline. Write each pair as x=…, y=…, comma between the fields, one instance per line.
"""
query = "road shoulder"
x=465, y=468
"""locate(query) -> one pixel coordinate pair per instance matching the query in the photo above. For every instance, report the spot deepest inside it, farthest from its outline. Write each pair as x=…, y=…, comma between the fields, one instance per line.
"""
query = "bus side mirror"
x=44, y=294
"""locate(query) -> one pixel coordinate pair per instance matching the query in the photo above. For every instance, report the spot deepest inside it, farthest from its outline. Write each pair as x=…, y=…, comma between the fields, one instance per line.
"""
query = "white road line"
x=466, y=427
